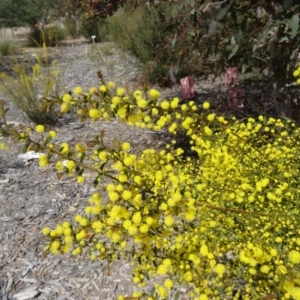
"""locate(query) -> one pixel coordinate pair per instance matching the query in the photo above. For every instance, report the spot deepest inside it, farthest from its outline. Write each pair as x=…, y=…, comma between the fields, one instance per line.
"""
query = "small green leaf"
x=294, y=24
x=96, y=181
x=25, y=148
x=174, y=40
x=212, y=27
x=102, y=166
x=177, y=295
x=221, y=14
x=48, y=139
x=82, y=157
x=234, y=50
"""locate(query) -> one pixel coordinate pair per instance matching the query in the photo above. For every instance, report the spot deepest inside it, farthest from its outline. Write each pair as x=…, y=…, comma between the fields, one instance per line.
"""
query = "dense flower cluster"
x=224, y=223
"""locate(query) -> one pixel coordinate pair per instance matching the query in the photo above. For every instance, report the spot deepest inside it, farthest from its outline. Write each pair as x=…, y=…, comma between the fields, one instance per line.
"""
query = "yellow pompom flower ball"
x=120, y=91
x=296, y=73
x=294, y=292
x=211, y=117
x=207, y=130
x=169, y=221
x=78, y=90
x=125, y=146
x=102, y=88
x=39, y=128
x=3, y=146
x=111, y=84
x=93, y=90
x=64, y=108
x=80, y=179
x=168, y=283
x=43, y=160
x=174, y=102
x=206, y=105
x=142, y=103
x=46, y=230
x=66, y=98
x=165, y=105
x=70, y=165
x=265, y=269
x=294, y=257
x=52, y=134
x=95, y=114
x=64, y=148
x=154, y=94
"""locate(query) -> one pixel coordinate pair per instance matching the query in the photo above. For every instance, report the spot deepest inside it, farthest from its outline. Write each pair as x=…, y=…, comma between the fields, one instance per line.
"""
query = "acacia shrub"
x=224, y=224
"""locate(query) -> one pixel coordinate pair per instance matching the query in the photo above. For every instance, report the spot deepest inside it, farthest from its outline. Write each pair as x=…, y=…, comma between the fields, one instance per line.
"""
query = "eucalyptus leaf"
x=221, y=14
x=258, y=11
x=254, y=48
x=190, y=3
x=294, y=24
x=232, y=41
x=287, y=4
x=174, y=40
x=234, y=50
x=212, y=27
x=283, y=39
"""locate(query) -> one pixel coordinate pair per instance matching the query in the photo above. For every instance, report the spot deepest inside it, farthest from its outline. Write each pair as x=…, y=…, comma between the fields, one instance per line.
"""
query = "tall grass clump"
x=50, y=35
x=223, y=224
x=29, y=86
x=8, y=47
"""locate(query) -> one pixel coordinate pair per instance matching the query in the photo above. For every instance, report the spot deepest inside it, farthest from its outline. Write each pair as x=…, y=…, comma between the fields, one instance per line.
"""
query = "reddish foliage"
x=235, y=94
x=231, y=76
x=187, y=87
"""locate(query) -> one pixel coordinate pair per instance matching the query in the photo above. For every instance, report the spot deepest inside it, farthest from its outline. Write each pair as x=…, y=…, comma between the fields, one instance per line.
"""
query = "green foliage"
x=93, y=9
x=89, y=28
x=72, y=27
x=50, y=35
x=224, y=224
x=103, y=31
x=259, y=37
x=143, y=34
x=29, y=86
x=8, y=47
x=23, y=12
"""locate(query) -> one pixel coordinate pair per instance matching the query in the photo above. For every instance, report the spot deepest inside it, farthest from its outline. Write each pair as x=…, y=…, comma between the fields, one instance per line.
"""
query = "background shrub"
x=8, y=47
x=144, y=35
x=27, y=87
x=94, y=27
x=50, y=35
x=72, y=27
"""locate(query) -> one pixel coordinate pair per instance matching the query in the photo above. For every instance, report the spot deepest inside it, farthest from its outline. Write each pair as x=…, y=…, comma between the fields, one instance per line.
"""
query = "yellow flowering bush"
x=224, y=224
